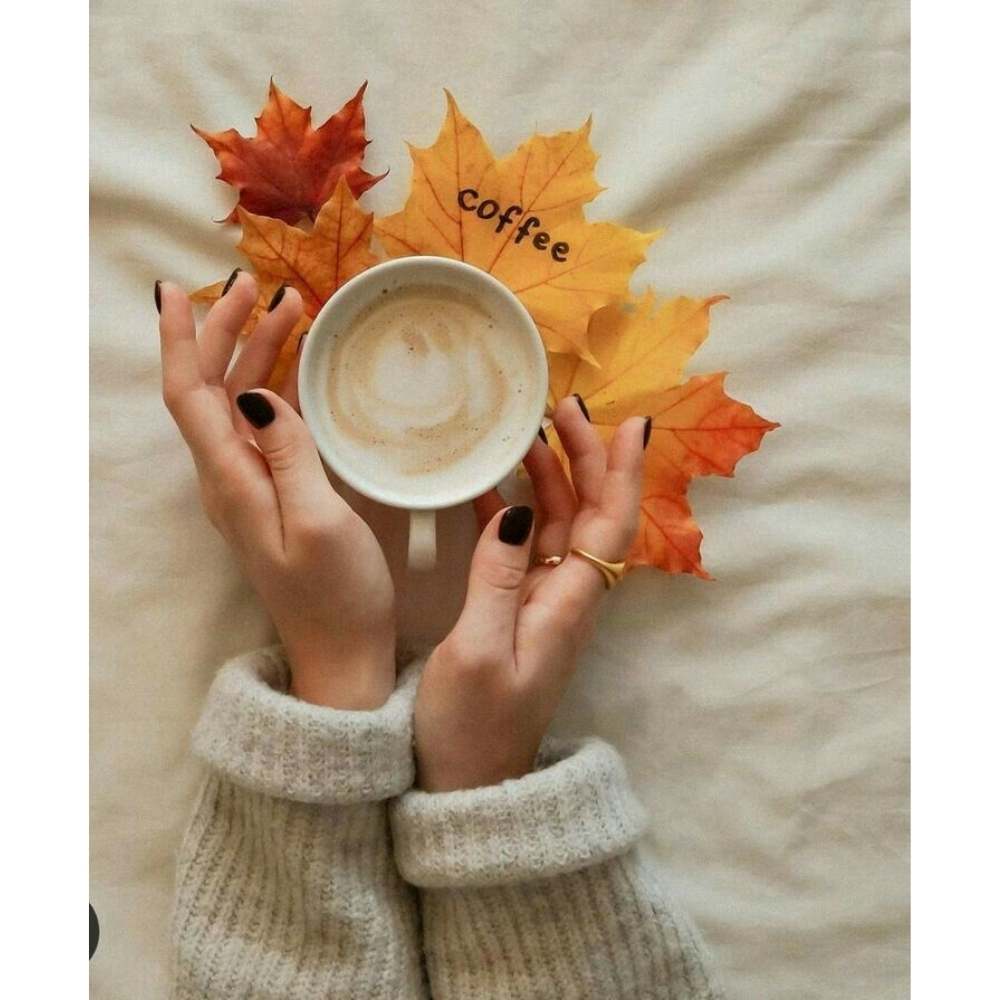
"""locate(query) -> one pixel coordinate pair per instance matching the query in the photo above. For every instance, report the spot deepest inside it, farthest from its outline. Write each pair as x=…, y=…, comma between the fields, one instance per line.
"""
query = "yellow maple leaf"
x=521, y=219
x=697, y=430
x=640, y=349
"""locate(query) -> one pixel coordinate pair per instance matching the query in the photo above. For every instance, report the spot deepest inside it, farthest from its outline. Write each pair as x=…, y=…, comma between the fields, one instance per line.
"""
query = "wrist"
x=472, y=770
x=358, y=678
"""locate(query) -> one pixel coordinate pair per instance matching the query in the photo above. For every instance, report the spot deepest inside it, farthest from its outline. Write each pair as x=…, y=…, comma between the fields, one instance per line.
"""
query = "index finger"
x=203, y=420
x=487, y=506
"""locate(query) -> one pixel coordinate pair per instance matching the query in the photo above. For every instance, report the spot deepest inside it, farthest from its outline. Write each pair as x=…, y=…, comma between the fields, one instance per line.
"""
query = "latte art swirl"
x=422, y=378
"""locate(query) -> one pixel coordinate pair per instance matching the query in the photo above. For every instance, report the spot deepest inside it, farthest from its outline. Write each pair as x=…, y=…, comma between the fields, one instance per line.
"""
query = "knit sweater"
x=310, y=861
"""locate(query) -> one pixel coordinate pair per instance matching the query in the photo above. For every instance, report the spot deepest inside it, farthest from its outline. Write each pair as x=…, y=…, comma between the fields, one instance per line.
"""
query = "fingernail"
x=302, y=340
x=230, y=281
x=276, y=301
x=541, y=434
x=583, y=405
x=156, y=294
x=255, y=408
x=515, y=525
x=646, y=431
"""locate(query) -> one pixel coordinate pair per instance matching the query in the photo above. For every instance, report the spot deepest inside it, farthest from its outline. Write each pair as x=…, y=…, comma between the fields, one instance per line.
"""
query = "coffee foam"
x=425, y=382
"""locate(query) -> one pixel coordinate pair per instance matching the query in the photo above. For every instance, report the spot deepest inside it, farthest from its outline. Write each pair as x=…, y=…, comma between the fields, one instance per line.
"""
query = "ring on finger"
x=613, y=572
x=541, y=560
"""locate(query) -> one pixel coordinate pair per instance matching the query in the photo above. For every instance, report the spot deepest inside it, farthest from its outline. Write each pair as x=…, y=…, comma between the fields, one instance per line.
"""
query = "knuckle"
x=172, y=397
x=616, y=531
x=284, y=456
x=223, y=492
x=629, y=528
x=313, y=530
x=465, y=657
x=215, y=506
x=503, y=576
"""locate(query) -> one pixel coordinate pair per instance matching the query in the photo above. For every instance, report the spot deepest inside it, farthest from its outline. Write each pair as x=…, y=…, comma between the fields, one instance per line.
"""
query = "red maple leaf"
x=289, y=169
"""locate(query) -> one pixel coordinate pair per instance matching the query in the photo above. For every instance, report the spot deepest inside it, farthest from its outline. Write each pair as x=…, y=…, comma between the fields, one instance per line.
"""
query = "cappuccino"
x=427, y=385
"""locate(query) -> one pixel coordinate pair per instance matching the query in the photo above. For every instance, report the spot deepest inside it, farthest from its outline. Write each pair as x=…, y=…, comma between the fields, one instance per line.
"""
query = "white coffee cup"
x=478, y=472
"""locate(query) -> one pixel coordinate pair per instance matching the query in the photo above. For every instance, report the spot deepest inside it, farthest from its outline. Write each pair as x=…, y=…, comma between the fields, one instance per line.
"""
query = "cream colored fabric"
x=576, y=810
x=762, y=717
x=287, y=887
x=534, y=888
x=286, y=884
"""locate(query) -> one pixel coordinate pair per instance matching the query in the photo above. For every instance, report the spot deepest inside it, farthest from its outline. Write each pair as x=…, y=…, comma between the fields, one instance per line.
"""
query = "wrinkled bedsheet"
x=763, y=715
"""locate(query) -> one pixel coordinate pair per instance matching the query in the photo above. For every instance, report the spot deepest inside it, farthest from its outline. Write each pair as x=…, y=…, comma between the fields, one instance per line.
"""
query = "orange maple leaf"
x=697, y=431
x=316, y=262
x=521, y=219
x=289, y=169
x=641, y=349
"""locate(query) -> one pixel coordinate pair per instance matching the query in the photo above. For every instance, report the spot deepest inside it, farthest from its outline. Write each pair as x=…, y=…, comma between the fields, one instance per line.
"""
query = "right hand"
x=313, y=562
x=490, y=690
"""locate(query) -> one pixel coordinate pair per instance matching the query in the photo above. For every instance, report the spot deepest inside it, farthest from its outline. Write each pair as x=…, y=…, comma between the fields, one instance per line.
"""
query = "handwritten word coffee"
x=468, y=201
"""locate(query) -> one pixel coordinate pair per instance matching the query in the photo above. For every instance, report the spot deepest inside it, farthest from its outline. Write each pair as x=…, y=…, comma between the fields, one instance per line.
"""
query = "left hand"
x=491, y=688
x=314, y=563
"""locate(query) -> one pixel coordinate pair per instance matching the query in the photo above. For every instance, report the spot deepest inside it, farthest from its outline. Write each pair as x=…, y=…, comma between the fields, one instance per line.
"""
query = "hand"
x=313, y=562
x=490, y=690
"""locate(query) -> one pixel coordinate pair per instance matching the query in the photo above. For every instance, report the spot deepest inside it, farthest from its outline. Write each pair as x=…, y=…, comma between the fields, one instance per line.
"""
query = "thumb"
x=496, y=579
x=287, y=446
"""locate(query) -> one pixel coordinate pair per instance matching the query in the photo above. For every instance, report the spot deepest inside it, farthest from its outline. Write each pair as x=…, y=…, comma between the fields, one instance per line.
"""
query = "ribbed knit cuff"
x=263, y=739
x=575, y=810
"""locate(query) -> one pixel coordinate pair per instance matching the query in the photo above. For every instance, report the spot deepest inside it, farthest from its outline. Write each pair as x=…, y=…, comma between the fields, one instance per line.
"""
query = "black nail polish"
x=156, y=294
x=646, y=431
x=542, y=435
x=230, y=281
x=255, y=408
x=515, y=525
x=278, y=296
x=583, y=405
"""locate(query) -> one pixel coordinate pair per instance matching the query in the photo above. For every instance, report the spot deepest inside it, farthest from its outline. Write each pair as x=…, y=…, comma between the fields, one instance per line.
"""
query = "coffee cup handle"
x=423, y=540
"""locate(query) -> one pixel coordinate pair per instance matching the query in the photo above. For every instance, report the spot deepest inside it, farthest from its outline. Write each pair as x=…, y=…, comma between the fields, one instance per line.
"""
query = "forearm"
x=286, y=882
x=535, y=889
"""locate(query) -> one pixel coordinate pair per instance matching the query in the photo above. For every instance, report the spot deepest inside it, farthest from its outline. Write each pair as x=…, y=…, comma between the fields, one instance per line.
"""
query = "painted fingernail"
x=583, y=405
x=156, y=294
x=541, y=434
x=515, y=525
x=646, y=431
x=276, y=301
x=230, y=281
x=255, y=408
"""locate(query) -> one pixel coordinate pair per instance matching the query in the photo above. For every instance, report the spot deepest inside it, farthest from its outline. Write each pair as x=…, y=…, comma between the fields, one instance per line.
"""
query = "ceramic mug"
x=478, y=471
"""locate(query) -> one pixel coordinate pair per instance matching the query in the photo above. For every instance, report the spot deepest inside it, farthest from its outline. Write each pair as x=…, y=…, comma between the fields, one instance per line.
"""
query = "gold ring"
x=548, y=560
x=613, y=572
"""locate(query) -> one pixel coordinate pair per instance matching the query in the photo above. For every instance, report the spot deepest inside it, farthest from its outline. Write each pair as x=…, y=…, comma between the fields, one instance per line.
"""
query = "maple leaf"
x=697, y=429
x=289, y=169
x=466, y=204
x=641, y=348
x=316, y=262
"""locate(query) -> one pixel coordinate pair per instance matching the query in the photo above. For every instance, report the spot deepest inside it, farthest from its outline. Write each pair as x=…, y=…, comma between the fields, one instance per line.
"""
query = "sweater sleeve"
x=286, y=883
x=534, y=888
